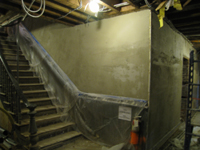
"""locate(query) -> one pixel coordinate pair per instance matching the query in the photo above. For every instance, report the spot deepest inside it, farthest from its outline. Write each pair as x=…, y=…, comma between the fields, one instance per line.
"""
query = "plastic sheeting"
x=96, y=115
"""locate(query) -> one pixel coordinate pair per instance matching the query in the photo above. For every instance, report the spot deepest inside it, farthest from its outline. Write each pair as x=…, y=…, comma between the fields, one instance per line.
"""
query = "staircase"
x=52, y=132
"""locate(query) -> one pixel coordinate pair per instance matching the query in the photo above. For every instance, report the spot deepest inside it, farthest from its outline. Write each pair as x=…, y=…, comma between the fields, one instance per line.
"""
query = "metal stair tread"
x=58, y=138
x=34, y=91
x=39, y=119
x=39, y=108
x=49, y=128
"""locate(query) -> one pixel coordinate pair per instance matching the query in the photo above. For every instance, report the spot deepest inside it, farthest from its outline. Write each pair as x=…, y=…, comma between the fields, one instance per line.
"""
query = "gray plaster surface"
x=112, y=53
x=168, y=49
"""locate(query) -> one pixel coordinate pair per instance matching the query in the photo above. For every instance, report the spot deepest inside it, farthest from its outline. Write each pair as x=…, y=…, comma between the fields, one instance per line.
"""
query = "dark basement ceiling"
x=187, y=21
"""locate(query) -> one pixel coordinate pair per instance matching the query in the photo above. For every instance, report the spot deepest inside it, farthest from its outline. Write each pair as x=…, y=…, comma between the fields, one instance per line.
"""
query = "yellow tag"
x=177, y=5
x=161, y=16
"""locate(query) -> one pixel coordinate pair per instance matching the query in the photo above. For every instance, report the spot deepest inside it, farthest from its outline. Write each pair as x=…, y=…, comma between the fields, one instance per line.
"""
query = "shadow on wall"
x=32, y=26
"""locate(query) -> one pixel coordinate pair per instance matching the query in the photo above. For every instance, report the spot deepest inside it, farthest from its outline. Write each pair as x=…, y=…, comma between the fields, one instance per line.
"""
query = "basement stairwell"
x=64, y=113
x=52, y=132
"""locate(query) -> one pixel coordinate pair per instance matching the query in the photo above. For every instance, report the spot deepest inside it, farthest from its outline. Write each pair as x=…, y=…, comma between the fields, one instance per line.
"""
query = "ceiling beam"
x=191, y=32
x=13, y=8
x=185, y=9
x=74, y=4
x=64, y=10
x=108, y=4
x=186, y=23
x=195, y=41
x=133, y=4
x=189, y=27
x=184, y=16
x=57, y=15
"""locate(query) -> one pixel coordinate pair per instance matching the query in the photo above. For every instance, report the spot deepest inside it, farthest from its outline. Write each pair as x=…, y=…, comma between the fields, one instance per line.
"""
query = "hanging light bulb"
x=94, y=6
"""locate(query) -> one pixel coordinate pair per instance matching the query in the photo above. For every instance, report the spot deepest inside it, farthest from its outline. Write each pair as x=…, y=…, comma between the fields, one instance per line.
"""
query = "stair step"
x=36, y=94
x=32, y=100
x=24, y=72
x=41, y=121
x=8, y=46
x=6, y=41
x=39, y=108
x=6, y=53
x=32, y=86
x=3, y=37
x=21, y=67
x=28, y=79
x=57, y=139
x=39, y=101
x=21, y=62
x=47, y=131
x=13, y=56
x=10, y=51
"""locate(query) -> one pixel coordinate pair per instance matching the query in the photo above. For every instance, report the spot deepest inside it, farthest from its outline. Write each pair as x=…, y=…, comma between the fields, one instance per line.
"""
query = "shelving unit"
x=195, y=120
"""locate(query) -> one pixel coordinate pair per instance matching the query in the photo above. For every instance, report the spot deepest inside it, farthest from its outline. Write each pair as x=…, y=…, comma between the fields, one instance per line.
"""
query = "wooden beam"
x=196, y=27
x=74, y=4
x=64, y=10
x=186, y=23
x=183, y=16
x=133, y=4
x=185, y=9
x=195, y=41
x=21, y=11
x=8, y=7
x=192, y=32
x=68, y=19
x=108, y=4
x=186, y=3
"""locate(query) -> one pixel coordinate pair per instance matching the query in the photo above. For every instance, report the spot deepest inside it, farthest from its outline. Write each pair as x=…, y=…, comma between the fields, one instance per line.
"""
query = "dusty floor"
x=176, y=142
x=81, y=144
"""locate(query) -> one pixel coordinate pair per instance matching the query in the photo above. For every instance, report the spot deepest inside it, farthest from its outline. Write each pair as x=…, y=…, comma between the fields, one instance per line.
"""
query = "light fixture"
x=94, y=6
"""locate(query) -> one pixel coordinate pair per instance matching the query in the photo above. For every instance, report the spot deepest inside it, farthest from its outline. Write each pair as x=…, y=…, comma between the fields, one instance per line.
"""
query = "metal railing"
x=12, y=97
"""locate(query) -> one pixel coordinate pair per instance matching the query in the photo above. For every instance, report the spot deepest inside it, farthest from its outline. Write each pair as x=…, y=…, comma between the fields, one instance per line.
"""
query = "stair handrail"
x=31, y=107
x=15, y=83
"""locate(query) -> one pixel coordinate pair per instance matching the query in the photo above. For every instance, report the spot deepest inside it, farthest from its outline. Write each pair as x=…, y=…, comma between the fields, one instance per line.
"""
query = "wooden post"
x=33, y=129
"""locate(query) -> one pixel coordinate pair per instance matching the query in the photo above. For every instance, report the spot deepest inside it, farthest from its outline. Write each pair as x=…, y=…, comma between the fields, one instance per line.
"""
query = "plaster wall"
x=167, y=51
x=110, y=56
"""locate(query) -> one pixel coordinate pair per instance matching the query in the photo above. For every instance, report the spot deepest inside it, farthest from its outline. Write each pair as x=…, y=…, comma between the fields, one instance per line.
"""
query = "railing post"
x=33, y=129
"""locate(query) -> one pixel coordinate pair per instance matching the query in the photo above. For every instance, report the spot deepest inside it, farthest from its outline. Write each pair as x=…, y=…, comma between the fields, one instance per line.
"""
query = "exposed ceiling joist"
x=195, y=41
x=69, y=20
x=132, y=3
x=73, y=4
x=109, y=4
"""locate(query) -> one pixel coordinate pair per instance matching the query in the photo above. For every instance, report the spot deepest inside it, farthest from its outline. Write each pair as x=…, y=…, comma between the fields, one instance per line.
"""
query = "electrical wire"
x=28, y=10
x=34, y=11
x=147, y=3
x=79, y=7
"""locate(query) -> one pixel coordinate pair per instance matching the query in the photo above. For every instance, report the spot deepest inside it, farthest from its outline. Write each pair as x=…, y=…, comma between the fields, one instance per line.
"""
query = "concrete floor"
x=176, y=142
x=81, y=144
